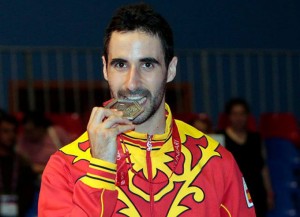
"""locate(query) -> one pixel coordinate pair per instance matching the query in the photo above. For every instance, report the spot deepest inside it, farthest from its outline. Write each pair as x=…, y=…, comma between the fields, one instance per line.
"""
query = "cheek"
x=115, y=81
x=240, y=119
x=156, y=82
x=233, y=118
x=244, y=119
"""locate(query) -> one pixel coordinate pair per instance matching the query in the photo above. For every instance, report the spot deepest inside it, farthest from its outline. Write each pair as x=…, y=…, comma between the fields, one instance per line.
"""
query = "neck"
x=155, y=124
x=239, y=136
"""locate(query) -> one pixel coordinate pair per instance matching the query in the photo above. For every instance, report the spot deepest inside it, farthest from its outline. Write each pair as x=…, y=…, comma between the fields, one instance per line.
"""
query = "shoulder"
x=73, y=153
x=70, y=161
x=185, y=128
x=194, y=139
x=79, y=147
x=212, y=160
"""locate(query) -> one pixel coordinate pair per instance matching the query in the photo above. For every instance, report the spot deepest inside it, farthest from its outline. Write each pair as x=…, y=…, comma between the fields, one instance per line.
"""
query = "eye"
x=120, y=65
x=148, y=66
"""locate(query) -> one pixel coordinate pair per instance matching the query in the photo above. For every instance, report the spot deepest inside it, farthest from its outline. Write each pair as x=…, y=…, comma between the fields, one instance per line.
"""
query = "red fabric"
x=71, y=122
x=65, y=195
x=206, y=180
x=280, y=125
x=215, y=191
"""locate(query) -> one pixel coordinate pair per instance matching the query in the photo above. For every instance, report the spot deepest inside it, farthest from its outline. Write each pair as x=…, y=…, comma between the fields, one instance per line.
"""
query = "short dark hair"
x=141, y=17
x=236, y=101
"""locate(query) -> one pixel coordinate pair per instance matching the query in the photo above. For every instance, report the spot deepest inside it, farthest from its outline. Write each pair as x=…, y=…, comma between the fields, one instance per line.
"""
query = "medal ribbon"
x=123, y=155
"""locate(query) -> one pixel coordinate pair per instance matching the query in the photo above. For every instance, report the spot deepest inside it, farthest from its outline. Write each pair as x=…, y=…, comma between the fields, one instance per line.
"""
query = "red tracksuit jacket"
x=152, y=177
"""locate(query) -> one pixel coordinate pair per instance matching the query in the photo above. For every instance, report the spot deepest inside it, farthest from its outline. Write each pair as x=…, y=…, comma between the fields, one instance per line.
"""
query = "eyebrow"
x=117, y=60
x=150, y=60
x=143, y=60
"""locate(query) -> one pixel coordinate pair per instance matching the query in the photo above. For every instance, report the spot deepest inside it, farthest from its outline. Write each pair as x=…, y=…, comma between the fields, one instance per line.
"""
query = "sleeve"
x=94, y=194
x=236, y=199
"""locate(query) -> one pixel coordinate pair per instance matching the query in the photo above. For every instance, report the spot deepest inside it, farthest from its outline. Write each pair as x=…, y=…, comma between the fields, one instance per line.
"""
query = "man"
x=153, y=165
x=16, y=177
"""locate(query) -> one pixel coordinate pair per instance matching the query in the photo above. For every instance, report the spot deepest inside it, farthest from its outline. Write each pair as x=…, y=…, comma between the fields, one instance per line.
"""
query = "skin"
x=238, y=124
x=135, y=69
x=238, y=118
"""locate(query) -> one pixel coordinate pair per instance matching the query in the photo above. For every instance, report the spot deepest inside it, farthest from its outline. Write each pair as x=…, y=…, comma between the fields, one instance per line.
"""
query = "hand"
x=103, y=128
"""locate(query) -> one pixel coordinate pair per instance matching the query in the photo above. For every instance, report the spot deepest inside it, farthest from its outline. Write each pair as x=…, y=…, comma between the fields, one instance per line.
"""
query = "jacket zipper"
x=149, y=168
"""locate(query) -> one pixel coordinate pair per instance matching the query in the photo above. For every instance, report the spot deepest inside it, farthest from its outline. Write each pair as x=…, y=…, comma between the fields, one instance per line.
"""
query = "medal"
x=131, y=109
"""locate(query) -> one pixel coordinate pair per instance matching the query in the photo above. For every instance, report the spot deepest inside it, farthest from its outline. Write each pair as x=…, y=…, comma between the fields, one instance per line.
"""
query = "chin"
x=139, y=120
x=142, y=118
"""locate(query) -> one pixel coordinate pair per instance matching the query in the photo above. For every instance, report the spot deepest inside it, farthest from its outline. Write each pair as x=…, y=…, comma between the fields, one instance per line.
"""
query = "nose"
x=133, y=79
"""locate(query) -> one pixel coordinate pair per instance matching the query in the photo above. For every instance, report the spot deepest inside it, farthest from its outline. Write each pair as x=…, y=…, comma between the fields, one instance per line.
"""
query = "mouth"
x=140, y=100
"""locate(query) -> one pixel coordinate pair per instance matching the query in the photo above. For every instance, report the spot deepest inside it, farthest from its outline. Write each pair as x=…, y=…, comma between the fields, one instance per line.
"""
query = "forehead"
x=134, y=44
x=238, y=108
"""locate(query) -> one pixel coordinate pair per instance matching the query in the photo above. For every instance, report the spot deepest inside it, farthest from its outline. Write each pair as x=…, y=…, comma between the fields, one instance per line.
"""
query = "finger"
x=105, y=113
x=100, y=113
x=124, y=128
x=113, y=121
x=92, y=115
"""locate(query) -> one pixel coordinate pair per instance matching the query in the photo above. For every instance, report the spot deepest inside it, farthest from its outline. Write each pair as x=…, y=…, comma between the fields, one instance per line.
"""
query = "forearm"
x=267, y=179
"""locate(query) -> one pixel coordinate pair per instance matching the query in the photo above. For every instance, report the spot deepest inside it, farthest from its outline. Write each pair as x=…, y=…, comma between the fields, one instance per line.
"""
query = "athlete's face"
x=136, y=70
x=238, y=117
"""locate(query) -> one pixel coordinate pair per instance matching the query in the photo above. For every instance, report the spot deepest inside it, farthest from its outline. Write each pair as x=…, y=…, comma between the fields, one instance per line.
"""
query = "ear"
x=172, y=69
x=104, y=68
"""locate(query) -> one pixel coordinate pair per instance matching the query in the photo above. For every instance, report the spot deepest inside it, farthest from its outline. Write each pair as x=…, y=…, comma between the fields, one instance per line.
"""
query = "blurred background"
x=50, y=61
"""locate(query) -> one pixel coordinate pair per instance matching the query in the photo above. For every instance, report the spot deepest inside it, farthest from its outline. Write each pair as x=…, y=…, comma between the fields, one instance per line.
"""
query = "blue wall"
x=196, y=24
x=261, y=24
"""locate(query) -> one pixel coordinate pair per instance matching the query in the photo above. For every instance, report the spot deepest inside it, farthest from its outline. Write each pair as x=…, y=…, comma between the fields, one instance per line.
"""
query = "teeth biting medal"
x=131, y=109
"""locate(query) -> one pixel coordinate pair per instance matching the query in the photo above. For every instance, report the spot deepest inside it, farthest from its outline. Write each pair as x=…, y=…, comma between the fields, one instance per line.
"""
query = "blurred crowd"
x=27, y=140
x=267, y=153
x=26, y=143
